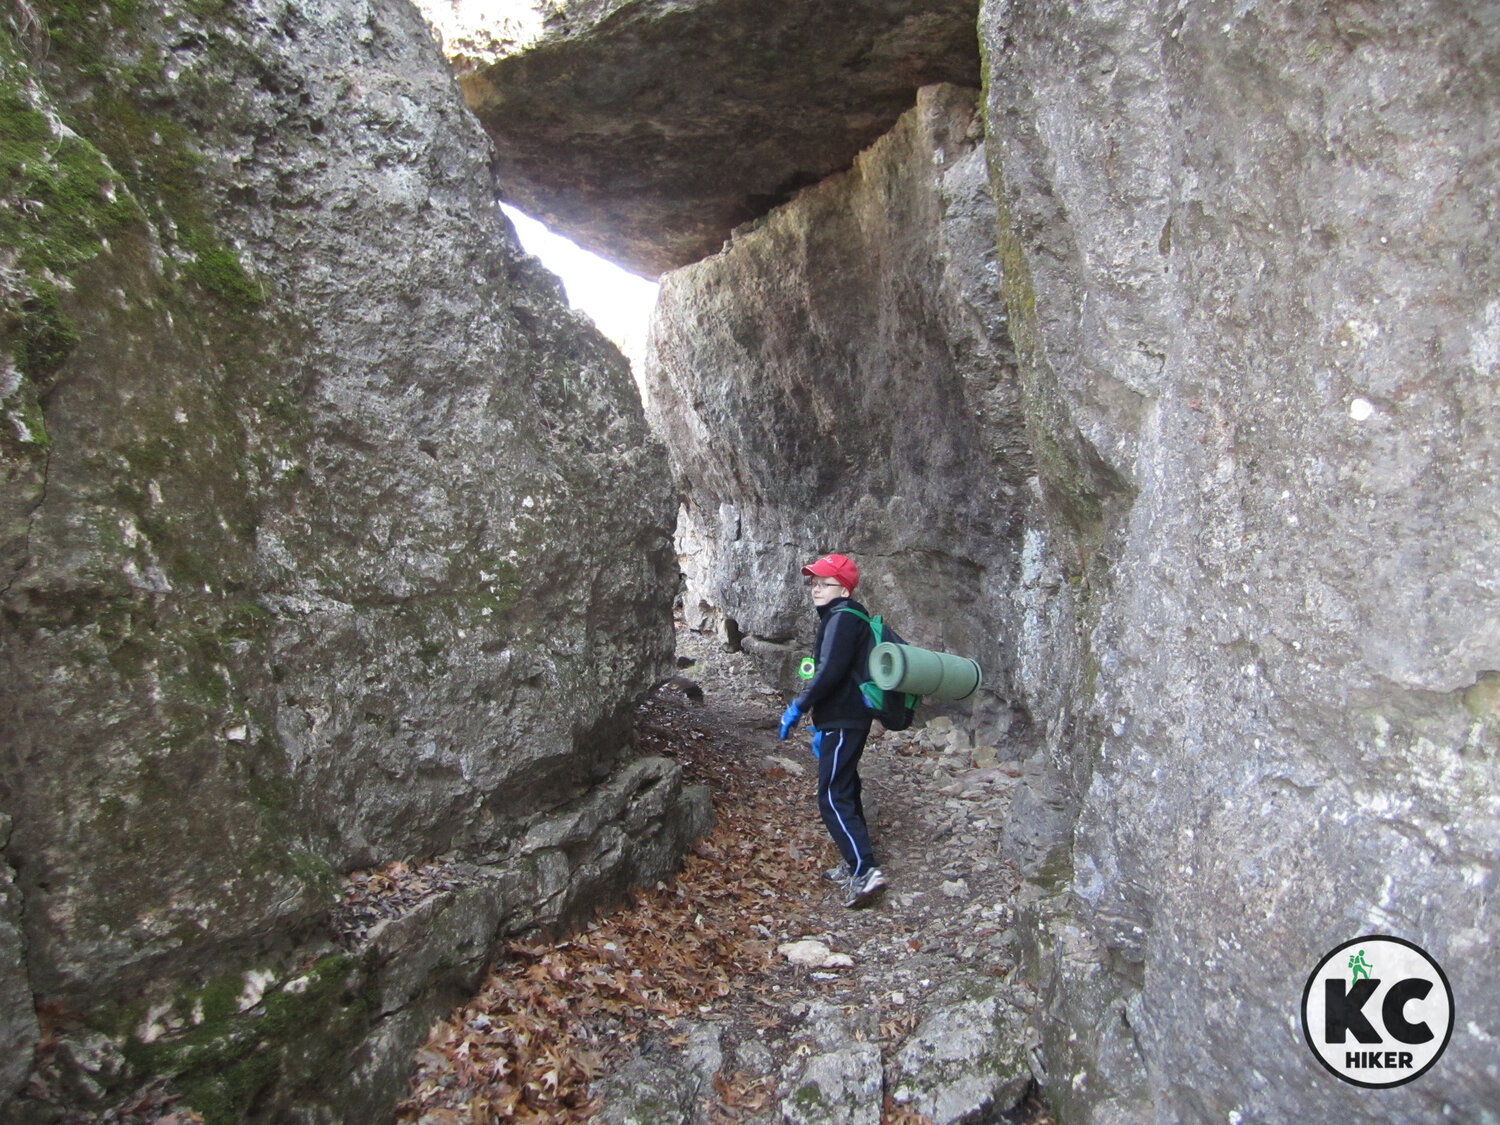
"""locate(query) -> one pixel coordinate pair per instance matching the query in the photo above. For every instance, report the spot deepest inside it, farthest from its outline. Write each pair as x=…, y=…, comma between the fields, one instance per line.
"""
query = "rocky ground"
x=745, y=991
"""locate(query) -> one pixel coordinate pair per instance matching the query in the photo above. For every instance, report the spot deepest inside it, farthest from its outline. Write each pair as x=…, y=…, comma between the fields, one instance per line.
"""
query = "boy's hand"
x=817, y=744
x=789, y=718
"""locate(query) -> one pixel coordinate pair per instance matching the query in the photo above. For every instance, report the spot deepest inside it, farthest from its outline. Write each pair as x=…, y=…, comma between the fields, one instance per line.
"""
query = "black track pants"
x=838, y=796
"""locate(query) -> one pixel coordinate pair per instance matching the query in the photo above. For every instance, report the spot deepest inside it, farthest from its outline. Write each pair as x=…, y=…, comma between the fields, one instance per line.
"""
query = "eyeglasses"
x=815, y=585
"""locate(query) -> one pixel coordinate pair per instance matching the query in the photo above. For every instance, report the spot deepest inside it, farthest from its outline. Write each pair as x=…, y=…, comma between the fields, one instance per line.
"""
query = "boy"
x=840, y=720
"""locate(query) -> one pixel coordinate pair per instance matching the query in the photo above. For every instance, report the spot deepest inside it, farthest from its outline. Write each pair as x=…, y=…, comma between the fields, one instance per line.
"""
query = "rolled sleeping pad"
x=916, y=670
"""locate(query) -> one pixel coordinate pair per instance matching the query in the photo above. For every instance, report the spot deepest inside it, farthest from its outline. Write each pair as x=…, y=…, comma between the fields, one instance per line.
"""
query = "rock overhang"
x=647, y=131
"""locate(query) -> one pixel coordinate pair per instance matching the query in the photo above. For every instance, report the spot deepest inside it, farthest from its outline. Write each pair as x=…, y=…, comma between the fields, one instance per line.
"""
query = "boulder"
x=664, y=1084
x=648, y=1091
x=968, y=1060
x=834, y=1077
x=648, y=131
x=331, y=536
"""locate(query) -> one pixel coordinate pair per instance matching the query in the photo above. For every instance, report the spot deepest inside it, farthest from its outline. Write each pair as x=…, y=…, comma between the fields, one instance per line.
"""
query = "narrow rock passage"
x=687, y=1005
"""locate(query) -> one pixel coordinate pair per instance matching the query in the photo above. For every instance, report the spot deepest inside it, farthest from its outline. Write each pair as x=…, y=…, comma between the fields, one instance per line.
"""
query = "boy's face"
x=825, y=590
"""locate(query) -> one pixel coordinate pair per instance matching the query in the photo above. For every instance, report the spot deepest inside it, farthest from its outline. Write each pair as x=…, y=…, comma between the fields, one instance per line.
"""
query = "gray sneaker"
x=839, y=874
x=863, y=889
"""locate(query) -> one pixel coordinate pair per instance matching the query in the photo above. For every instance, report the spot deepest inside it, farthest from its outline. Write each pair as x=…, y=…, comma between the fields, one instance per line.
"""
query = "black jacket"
x=841, y=652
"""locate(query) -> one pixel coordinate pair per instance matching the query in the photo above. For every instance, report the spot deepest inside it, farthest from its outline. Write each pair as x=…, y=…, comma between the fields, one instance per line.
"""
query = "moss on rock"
x=227, y=1046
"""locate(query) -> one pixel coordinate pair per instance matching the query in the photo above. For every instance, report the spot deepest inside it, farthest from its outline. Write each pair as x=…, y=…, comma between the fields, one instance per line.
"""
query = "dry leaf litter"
x=556, y=1017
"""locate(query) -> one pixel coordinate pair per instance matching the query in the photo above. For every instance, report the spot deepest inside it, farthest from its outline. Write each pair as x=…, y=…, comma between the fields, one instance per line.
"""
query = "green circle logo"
x=807, y=668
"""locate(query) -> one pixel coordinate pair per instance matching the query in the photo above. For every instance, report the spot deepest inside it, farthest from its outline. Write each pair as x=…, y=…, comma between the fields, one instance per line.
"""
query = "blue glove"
x=817, y=744
x=789, y=718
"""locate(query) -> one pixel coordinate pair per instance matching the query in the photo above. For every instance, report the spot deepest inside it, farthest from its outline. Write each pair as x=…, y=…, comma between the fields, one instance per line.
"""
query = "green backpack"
x=895, y=709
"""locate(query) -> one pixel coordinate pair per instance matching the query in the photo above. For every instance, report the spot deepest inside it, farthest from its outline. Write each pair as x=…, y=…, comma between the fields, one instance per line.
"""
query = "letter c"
x=1391, y=1010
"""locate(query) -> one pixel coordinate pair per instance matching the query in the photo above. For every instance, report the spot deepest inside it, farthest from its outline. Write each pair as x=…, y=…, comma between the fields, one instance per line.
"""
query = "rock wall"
x=331, y=538
x=1254, y=246
x=839, y=378
x=1225, y=524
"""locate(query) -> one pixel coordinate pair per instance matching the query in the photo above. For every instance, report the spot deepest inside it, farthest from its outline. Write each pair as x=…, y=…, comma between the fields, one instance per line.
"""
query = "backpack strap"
x=894, y=711
x=876, y=623
x=874, y=698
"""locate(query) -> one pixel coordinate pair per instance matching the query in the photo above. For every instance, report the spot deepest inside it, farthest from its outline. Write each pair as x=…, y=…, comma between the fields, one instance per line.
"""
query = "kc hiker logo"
x=1377, y=1011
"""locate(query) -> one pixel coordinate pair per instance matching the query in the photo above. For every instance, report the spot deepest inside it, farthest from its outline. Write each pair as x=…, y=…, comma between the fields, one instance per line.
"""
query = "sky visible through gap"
x=616, y=300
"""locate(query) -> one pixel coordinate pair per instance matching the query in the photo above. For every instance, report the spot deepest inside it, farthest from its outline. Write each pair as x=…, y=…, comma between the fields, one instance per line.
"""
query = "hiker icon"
x=1359, y=967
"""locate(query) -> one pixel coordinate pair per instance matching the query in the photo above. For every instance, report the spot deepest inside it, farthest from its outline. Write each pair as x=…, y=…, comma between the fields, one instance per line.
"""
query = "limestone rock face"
x=648, y=130
x=839, y=378
x=1250, y=257
x=331, y=537
x=1210, y=488
x=18, y=1026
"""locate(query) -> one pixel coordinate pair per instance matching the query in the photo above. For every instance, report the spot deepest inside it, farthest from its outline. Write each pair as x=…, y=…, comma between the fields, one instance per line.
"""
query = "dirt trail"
x=539, y=1041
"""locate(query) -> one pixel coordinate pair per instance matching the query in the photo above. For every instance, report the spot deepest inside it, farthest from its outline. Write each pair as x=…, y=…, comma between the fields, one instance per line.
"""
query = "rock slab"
x=967, y=1061
x=648, y=131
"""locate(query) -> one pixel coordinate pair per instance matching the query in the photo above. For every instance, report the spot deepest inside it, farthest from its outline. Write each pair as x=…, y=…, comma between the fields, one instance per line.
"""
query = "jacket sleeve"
x=835, y=660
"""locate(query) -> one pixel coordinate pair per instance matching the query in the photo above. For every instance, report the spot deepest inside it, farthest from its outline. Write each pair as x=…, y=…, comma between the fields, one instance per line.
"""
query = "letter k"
x=1341, y=1011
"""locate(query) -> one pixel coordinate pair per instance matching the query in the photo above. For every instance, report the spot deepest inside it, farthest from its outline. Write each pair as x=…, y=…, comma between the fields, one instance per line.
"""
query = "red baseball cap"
x=839, y=567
